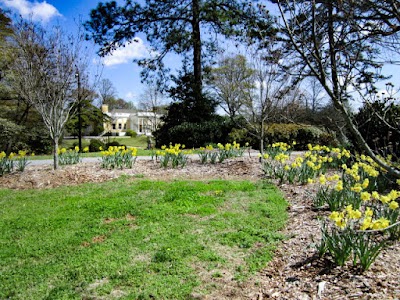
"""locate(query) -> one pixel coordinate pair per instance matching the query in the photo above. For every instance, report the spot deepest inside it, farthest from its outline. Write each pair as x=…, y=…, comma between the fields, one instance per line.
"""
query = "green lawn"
x=135, y=239
x=140, y=152
x=139, y=141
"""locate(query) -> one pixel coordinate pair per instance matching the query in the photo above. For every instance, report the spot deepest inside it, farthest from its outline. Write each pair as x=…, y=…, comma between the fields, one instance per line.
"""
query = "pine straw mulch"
x=295, y=271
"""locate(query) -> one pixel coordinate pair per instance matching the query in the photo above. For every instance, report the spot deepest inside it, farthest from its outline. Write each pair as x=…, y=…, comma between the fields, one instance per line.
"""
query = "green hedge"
x=302, y=134
x=195, y=134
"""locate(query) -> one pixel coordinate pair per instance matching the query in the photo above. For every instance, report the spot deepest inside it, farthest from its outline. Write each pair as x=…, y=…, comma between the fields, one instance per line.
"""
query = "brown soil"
x=295, y=271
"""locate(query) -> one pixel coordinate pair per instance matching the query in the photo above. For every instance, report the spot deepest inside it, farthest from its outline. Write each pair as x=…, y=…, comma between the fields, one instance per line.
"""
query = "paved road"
x=42, y=162
x=98, y=159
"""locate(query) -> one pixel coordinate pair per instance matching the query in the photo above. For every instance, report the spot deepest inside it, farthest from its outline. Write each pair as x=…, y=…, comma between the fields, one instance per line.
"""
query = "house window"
x=113, y=125
x=140, y=128
x=124, y=126
x=119, y=126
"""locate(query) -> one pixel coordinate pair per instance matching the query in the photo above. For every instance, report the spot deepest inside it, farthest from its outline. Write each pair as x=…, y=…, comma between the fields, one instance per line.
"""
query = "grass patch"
x=139, y=141
x=134, y=239
x=140, y=152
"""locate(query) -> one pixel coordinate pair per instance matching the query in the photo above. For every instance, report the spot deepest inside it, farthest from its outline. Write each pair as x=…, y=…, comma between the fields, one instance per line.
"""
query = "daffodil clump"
x=350, y=234
x=277, y=163
x=278, y=148
x=219, y=154
x=334, y=156
x=208, y=153
x=174, y=154
x=335, y=191
x=356, y=195
x=359, y=210
x=229, y=150
x=118, y=157
x=70, y=156
x=13, y=161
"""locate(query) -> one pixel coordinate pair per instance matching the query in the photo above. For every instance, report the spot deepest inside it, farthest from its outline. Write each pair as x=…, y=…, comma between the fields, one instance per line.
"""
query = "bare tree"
x=152, y=101
x=107, y=91
x=271, y=85
x=44, y=74
x=316, y=95
x=338, y=43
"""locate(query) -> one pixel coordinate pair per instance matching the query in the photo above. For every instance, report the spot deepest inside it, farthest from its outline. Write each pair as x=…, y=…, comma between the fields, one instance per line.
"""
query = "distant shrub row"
x=287, y=133
x=201, y=134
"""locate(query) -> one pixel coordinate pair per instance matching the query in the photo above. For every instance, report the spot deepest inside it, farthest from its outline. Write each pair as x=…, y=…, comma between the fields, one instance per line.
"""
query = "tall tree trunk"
x=262, y=138
x=196, y=40
x=55, y=153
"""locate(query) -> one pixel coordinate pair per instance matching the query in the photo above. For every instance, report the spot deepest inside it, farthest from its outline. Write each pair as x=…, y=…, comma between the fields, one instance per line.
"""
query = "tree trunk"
x=196, y=40
x=55, y=153
x=262, y=139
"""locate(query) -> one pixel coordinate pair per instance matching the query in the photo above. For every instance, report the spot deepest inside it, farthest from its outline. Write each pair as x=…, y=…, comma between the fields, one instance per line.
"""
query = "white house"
x=121, y=120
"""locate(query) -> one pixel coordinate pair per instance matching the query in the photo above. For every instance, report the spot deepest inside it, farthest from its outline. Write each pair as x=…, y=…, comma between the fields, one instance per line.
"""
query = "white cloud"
x=38, y=11
x=130, y=95
x=127, y=53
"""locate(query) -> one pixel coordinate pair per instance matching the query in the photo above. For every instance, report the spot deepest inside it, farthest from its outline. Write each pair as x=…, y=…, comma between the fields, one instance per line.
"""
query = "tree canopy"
x=186, y=27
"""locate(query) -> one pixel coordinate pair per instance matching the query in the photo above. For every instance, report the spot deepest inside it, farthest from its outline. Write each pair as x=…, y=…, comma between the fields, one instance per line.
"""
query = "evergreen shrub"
x=131, y=133
x=95, y=145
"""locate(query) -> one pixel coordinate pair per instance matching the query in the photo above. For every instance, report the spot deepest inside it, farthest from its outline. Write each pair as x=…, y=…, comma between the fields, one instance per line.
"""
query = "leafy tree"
x=91, y=117
x=379, y=122
x=119, y=103
x=17, y=114
x=338, y=42
x=5, y=31
x=185, y=27
x=256, y=89
x=187, y=114
x=232, y=82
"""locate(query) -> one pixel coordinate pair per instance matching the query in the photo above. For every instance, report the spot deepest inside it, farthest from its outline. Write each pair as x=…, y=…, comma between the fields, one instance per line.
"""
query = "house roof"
x=147, y=114
x=123, y=111
x=126, y=113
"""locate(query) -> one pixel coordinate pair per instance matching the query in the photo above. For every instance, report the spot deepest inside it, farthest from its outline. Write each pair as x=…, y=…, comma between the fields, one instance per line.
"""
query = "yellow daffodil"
x=366, y=224
x=381, y=223
x=356, y=188
x=341, y=223
x=334, y=215
x=365, y=196
x=365, y=183
x=384, y=199
x=368, y=212
x=393, y=195
x=322, y=179
x=375, y=195
x=339, y=186
x=393, y=205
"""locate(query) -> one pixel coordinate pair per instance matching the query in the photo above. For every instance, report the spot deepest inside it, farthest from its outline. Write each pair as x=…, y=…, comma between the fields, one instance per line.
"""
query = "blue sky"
x=119, y=68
